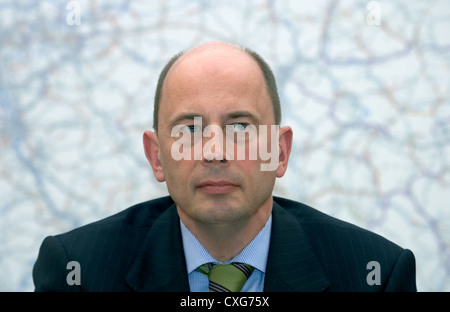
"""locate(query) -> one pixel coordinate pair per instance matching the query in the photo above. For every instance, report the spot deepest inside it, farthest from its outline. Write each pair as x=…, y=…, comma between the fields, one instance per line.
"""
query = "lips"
x=216, y=186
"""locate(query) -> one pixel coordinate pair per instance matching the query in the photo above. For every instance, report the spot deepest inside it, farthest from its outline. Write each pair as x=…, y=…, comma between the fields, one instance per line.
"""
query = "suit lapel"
x=292, y=264
x=160, y=264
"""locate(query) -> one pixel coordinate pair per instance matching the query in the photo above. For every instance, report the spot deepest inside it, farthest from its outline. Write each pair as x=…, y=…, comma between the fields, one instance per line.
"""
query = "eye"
x=240, y=126
x=191, y=128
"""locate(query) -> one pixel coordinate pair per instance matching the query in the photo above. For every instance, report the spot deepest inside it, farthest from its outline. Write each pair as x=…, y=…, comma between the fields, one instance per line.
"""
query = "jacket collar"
x=292, y=264
x=160, y=265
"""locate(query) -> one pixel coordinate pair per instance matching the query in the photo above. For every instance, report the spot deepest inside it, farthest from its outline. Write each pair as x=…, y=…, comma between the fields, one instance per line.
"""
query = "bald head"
x=211, y=47
x=219, y=60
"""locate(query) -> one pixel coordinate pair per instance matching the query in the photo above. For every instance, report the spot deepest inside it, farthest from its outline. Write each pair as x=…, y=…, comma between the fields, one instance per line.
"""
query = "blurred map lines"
x=369, y=104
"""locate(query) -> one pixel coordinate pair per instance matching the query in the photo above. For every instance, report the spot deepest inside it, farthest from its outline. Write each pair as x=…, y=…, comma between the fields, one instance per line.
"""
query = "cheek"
x=258, y=184
x=171, y=167
x=178, y=176
x=250, y=170
x=176, y=172
x=174, y=169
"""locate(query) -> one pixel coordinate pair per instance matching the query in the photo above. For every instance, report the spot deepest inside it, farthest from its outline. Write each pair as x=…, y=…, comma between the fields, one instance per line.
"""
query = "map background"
x=369, y=106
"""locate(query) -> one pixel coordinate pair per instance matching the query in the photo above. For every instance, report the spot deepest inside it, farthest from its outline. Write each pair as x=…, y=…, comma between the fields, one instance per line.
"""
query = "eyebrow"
x=231, y=115
x=243, y=114
x=181, y=117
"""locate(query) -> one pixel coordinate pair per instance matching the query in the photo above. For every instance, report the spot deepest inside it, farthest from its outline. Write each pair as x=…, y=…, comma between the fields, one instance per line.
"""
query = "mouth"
x=216, y=186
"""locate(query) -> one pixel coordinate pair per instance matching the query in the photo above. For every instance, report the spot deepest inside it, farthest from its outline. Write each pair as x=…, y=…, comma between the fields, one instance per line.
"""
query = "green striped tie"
x=226, y=277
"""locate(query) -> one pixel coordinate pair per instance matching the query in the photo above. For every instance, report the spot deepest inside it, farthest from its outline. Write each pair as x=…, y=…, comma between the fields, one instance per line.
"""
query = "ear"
x=151, y=147
x=285, y=144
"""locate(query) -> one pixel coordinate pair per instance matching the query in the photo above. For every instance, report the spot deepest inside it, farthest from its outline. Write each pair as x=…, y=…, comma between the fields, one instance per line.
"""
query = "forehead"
x=223, y=78
x=220, y=64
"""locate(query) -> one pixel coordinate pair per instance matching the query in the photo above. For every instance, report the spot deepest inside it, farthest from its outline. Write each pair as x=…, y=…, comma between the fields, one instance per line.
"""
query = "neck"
x=224, y=241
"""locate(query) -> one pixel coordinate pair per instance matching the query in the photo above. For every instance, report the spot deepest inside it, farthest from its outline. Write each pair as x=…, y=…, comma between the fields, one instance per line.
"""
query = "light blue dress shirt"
x=254, y=254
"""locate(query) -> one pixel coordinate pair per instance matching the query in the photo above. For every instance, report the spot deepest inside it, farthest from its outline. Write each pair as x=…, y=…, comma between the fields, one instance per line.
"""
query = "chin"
x=222, y=213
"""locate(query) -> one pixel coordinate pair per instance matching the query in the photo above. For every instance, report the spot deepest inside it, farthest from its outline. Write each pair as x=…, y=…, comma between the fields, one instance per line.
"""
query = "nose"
x=213, y=147
x=210, y=160
x=213, y=152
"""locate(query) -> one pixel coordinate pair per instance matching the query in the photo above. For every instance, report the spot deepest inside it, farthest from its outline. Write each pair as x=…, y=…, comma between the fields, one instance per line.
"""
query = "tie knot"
x=226, y=277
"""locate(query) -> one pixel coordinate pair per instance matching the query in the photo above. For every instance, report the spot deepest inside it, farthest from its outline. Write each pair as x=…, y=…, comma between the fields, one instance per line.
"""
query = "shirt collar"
x=255, y=253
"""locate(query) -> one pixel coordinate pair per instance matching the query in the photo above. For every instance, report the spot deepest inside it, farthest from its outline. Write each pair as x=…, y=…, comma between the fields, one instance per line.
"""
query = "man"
x=221, y=219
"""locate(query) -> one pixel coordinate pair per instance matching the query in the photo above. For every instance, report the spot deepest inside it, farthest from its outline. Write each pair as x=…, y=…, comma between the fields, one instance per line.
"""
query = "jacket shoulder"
x=347, y=251
x=141, y=215
x=311, y=218
x=104, y=249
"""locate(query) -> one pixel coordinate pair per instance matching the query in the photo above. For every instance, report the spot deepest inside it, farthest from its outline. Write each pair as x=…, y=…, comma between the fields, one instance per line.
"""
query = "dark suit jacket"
x=140, y=249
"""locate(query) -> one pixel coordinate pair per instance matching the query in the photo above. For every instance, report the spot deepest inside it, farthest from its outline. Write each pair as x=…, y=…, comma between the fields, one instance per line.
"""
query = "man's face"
x=224, y=88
